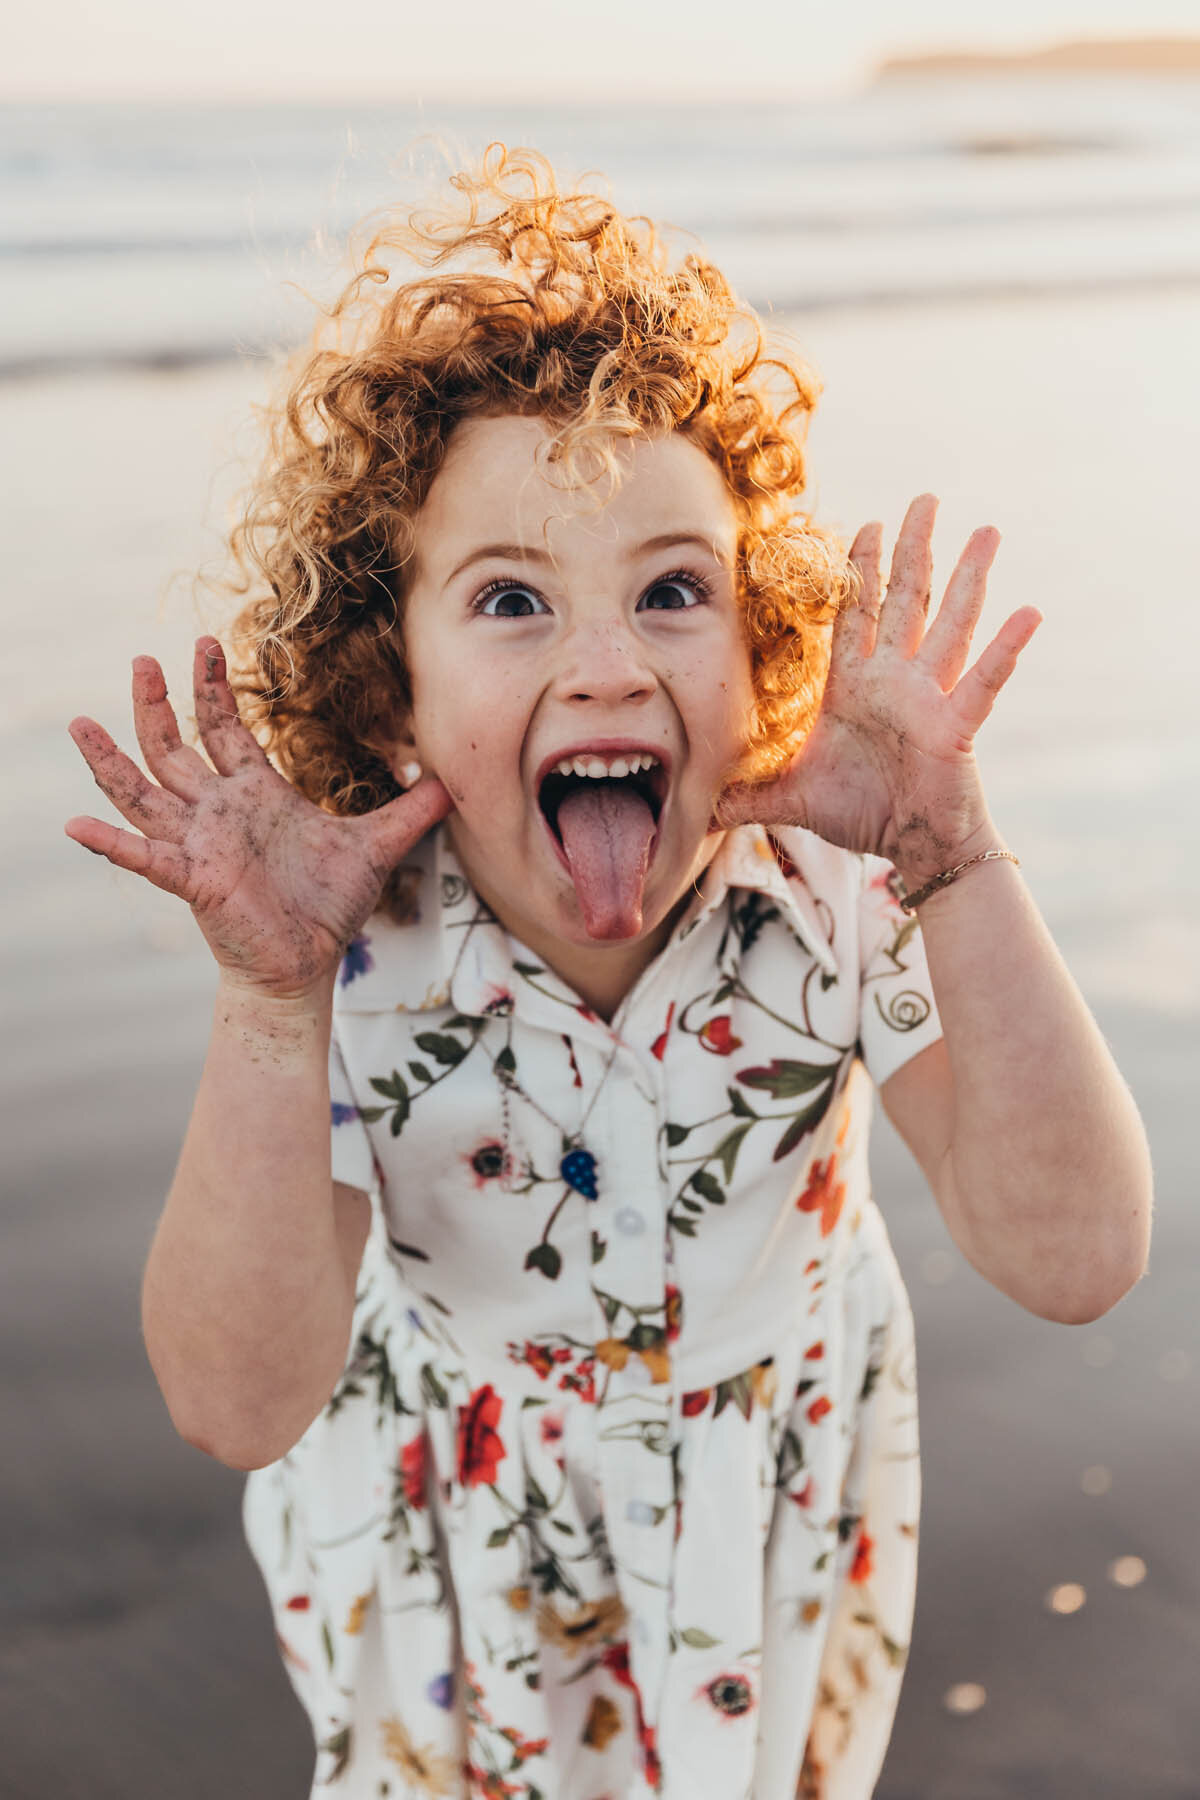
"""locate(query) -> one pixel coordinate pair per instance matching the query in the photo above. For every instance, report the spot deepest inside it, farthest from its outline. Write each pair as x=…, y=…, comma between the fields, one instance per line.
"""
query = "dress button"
x=639, y=1512
x=630, y=1221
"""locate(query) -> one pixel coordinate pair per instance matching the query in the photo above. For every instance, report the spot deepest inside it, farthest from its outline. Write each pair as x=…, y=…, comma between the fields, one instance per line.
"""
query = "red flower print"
x=538, y=1357
x=489, y=1162
x=553, y=1426
x=696, y=1401
x=499, y=1002
x=730, y=1694
x=413, y=1461
x=585, y=1012
x=806, y=1495
x=815, y=1351
x=561, y=1353
x=824, y=1194
x=862, y=1566
x=658, y=1047
x=717, y=1035
x=299, y=1603
x=492, y=1786
x=577, y=1078
x=819, y=1408
x=674, y=1313
x=616, y=1661
x=480, y=1446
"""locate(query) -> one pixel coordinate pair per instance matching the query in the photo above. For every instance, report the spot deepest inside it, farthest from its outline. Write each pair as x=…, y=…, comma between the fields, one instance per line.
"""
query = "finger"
x=164, y=864
x=906, y=603
x=854, y=627
x=948, y=639
x=396, y=827
x=228, y=742
x=975, y=694
x=148, y=807
x=172, y=762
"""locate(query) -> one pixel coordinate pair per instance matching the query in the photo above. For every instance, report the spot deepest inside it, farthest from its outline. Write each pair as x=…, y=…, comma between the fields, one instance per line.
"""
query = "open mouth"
x=640, y=773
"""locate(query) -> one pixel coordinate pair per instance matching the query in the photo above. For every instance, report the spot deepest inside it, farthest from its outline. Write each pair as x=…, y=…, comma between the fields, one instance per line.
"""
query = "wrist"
x=273, y=1024
x=923, y=850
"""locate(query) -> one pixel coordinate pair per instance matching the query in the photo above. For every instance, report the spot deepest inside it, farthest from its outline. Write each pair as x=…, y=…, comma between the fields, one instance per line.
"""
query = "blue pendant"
x=578, y=1170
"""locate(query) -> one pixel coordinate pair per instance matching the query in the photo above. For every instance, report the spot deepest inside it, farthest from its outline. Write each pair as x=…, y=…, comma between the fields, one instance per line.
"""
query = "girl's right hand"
x=277, y=886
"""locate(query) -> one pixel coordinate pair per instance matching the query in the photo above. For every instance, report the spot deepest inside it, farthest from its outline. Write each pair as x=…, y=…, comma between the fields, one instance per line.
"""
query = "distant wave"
x=952, y=216
x=166, y=359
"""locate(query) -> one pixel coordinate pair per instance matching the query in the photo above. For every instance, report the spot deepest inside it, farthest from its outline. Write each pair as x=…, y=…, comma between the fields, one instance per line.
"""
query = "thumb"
x=402, y=822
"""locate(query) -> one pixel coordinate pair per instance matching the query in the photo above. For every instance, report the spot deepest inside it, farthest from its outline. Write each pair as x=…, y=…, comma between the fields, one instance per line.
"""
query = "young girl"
x=579, y=1387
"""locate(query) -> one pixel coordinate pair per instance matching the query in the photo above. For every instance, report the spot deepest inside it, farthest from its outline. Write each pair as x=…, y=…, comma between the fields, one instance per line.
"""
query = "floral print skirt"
x=437, y=1556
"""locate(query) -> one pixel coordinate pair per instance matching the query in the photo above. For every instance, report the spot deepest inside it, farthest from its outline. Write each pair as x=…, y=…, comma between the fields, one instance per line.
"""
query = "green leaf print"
x=546, y=1258
x=419, y=1072
x=676, y=1134
x=709, y=1187
x=327, y=1642
x=800, y=1126
x=599, y=1246
x=500, y=1536
x=739, y=1106
x=392, y=1087
x=505, y=1059
x=527, y=969
x=699, y=1640
x=439, y=1044
x=728, y=1148
x=535, y=1495
x=785, y=1080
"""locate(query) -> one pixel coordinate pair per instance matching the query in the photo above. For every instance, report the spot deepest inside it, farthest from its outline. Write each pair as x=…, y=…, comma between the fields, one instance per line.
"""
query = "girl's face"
x=539, y=630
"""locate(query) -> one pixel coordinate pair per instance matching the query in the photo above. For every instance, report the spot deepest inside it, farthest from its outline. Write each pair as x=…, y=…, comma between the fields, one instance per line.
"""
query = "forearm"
x=1047, y=1180
x=246, y=1303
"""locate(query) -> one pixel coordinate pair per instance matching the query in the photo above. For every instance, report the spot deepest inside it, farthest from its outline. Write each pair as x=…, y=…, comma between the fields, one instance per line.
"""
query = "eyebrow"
x=530, y=553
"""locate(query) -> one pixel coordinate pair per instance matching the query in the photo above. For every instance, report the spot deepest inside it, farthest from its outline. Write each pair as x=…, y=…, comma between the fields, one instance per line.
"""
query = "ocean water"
x=997, y=281
x=164, y=235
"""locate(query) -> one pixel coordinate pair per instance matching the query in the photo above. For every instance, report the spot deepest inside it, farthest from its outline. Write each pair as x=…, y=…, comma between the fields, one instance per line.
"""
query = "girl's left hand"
x=889, y=766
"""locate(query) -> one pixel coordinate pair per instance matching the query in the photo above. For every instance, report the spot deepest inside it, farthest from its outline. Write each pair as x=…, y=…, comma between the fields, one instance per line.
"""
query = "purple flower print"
x=357, y=960
x=340, y=1113
x=441, y=1690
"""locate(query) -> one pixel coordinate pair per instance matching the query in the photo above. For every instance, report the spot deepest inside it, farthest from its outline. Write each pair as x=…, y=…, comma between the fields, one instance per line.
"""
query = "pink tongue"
x=606, y=829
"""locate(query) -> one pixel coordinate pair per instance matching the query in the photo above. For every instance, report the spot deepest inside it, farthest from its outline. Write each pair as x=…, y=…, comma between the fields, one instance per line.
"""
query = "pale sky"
x=485, y=49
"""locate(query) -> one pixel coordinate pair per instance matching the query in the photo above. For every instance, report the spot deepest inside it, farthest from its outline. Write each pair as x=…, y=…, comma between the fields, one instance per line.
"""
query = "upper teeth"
x=600, y=770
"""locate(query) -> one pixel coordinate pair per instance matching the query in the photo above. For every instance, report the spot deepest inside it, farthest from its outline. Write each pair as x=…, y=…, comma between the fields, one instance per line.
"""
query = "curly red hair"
x=544, y=303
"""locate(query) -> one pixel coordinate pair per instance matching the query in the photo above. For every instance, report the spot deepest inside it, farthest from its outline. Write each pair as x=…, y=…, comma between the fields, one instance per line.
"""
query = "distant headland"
x=1077, y=56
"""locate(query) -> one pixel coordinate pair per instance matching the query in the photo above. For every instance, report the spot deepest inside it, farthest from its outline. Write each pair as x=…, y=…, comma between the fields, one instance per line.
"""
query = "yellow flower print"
x=603, y=1722
x=657, y=1359
x=358, y=1612
x=425, y=1771
x=518, y=1599
x=612, y=1352
x=764, y=1379
x=592, y=1623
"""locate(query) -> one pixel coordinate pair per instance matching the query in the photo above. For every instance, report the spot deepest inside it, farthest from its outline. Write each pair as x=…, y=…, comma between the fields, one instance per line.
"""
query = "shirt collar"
x=455, y=952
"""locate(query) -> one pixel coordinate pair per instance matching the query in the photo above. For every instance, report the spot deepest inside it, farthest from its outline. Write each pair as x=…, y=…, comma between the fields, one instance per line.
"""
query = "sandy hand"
x=277, y=886
x=890, y=767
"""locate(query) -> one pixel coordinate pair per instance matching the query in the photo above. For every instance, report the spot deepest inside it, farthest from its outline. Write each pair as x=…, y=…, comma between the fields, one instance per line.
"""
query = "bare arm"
x=1028, y=1135
x=1020, y=1119
x=249, y=1286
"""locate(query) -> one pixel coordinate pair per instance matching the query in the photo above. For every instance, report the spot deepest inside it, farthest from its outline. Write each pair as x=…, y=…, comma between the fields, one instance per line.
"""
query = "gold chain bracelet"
x=910, y=902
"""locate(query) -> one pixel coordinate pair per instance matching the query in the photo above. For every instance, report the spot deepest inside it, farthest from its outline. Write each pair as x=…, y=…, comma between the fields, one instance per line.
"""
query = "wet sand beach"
x=138, y=1657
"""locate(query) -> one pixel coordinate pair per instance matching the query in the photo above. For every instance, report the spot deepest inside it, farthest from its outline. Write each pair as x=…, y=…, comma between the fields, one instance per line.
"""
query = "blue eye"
x=509, y=600
x=675, y=593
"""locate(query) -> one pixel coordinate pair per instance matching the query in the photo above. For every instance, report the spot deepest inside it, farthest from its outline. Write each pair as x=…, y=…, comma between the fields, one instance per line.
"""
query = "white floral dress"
x=617, y=1495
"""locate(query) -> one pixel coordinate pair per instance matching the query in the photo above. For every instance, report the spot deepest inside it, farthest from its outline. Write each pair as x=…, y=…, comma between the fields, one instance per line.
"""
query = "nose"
x=605, y=662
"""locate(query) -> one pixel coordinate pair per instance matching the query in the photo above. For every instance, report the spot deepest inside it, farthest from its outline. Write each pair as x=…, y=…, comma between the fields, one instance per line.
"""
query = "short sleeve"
x=353, y=1161
x=898, y=1016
